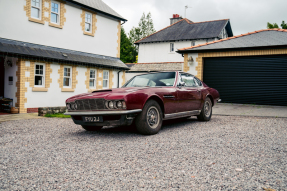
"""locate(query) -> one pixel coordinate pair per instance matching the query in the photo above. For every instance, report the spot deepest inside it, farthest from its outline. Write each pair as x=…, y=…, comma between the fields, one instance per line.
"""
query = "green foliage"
x=128, y=51
x=283, y=25
x=58, y=115
x=275, y=25
x=144, y=29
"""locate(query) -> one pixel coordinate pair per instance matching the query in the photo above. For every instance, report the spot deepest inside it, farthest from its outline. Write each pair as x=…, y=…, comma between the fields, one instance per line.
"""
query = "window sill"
x=67, y=90
x=40, y=89
x=89, y=34
x=36, y=21
x=55, y=25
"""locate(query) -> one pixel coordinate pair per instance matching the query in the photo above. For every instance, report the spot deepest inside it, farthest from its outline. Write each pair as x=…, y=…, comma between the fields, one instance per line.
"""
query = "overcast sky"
x=245, y=15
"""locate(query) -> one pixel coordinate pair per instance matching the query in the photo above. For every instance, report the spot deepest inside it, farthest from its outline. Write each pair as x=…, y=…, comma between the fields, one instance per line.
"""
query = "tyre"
x=206, y=110
x=92, y=128
x=149, y=121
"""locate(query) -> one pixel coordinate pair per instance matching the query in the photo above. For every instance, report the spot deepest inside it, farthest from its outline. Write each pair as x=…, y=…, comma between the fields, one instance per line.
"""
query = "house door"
x=2, y=77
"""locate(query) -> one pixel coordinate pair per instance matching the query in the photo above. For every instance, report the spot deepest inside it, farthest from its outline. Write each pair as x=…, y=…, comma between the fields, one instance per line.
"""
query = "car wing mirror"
x=181, y=84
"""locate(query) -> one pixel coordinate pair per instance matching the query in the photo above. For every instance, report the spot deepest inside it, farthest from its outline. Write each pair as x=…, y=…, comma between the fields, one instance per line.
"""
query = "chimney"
x=175, y=18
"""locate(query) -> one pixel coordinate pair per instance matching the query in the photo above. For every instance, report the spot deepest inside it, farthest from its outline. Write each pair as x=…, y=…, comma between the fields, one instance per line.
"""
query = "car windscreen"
x=152, y=80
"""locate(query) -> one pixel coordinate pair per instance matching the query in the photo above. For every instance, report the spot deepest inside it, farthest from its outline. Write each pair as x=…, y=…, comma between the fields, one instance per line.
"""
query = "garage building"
x=248, y=69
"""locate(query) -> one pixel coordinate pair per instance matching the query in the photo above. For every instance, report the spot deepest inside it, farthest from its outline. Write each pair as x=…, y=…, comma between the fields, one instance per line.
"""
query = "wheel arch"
x=211, y=99
x=158, y=100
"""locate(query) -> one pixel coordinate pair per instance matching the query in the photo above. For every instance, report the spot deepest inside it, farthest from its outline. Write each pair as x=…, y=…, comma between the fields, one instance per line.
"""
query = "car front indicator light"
x=124, y=104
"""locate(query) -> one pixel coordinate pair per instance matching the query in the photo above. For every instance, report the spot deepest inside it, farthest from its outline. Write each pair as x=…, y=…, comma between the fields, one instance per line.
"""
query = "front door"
x=189, y=95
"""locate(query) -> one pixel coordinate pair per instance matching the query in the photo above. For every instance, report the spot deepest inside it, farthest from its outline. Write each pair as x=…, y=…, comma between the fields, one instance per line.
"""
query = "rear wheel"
x=149, y=121
x=92, y=128
x=206, y=110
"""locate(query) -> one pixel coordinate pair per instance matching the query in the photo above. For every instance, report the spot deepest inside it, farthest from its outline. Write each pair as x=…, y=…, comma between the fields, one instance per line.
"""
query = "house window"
x=36, y=9
x=39, y=75
x=88, y=22
x=171, y=47
x=193, y=43
x=67, y=83
x=55, y=12
x=92, y=78
x=105, y=79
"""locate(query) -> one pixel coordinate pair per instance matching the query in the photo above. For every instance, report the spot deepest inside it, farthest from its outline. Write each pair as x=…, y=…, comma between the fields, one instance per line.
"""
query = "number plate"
x=92, y=118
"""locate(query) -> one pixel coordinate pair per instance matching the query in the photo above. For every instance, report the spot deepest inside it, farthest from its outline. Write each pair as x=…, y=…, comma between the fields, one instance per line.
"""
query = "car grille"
x=90, y=104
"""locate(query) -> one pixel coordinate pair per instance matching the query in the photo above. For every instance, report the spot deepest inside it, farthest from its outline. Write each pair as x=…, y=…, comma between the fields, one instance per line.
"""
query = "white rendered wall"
x=15, y=25
x=160, y=52
x=10, y=90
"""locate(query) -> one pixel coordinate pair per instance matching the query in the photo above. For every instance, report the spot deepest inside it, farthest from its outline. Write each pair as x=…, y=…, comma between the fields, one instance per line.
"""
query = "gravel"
x=226, y=153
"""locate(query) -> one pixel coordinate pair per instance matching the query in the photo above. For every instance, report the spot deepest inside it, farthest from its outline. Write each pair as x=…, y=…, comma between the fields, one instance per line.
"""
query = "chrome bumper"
x=103, y=112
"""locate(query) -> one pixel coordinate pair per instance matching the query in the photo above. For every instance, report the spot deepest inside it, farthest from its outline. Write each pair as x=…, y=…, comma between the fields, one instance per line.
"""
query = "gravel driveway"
x=226, y=153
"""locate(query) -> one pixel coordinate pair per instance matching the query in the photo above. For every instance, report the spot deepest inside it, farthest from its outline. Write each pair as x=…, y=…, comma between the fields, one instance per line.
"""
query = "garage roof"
x=256, y=39
x=188, y=30
x=25, y=49
x=99, y=6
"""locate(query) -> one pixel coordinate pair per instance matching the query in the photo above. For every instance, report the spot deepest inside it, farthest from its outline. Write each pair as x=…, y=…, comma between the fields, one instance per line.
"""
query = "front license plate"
x=93, y=118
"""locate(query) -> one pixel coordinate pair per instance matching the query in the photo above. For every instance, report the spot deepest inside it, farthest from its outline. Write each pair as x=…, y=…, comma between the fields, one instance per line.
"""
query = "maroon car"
x=147, y=100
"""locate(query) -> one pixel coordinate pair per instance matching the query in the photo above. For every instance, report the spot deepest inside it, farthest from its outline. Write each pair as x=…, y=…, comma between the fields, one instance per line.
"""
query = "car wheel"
x=92, y=128
x=206, y=110
x=149, y=121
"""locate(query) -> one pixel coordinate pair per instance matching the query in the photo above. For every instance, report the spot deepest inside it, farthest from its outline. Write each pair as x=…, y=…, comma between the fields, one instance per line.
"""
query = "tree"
x=275, y=25
x=128, y=51
x=144, y=29
x=284, y=25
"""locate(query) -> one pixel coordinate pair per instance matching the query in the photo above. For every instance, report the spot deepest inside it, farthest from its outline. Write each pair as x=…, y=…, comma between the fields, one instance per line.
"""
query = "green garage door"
x=248, y=80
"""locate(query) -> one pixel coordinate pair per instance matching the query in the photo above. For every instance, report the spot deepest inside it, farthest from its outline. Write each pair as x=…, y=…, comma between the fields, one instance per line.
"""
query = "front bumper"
x=110, y=118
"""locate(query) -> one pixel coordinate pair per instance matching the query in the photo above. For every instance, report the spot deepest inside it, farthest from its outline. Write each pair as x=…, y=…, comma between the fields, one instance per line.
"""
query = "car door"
x=189, y=95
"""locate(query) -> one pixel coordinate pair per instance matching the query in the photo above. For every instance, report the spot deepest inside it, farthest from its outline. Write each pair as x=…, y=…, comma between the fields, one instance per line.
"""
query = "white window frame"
x=40, y=10
x=171, y=47
x=87, y=13
x=95, y=81
x=43, y=75
x=106, y=79
x=69, y=77
x=58, y=14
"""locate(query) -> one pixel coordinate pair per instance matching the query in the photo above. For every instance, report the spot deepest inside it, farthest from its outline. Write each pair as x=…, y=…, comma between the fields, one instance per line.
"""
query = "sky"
x=245, y=15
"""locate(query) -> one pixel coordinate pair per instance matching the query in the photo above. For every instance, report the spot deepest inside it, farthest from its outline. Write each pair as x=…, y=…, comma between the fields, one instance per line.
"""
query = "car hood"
x=117, y=93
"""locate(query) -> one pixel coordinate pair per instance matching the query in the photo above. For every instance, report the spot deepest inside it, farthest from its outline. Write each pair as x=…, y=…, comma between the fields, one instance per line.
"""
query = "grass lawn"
x=59, y=115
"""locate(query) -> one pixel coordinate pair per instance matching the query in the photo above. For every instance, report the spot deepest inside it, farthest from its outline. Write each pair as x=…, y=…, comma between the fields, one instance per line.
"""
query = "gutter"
x=119, y=79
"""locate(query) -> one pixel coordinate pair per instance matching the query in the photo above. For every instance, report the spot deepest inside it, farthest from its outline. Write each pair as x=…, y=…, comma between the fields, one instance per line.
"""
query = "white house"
x=162, y=45
x=157, y=52
x=53, y=49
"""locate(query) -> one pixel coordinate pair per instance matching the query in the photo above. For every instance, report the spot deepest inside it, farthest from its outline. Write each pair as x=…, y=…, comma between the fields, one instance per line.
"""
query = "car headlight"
x=111, y=104
x=115, y=104
x=68, y=106
x=119, y=104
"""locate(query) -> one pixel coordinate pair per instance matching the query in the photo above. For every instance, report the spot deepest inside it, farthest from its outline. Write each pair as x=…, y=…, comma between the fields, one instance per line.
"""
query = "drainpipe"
x=119, y=79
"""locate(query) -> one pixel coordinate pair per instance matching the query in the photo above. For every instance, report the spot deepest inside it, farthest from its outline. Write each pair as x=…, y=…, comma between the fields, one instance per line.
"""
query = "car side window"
x=198, y=81
x=188, y=79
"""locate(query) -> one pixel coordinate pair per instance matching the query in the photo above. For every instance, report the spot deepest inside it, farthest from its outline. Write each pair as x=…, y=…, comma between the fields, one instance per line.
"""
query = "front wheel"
x=92, y=128
x=206, y=110
x=149, y=121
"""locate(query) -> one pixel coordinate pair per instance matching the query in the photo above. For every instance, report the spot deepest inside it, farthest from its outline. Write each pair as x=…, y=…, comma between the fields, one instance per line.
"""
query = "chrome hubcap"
x=153, y=117
x=207, y=109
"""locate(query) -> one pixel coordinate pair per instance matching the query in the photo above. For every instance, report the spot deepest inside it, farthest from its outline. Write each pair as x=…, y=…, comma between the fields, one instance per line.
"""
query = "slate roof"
x=187, y=30
x=41, y=52
x=256, y=39
x=100, y=6
x=154, y=67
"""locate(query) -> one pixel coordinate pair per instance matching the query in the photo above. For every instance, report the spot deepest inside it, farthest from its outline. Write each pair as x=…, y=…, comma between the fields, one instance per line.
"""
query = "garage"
x=248, y=80
x=248, y=69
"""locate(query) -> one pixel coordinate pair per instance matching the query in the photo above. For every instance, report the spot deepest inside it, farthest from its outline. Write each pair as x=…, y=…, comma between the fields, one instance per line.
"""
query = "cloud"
x=245, y=15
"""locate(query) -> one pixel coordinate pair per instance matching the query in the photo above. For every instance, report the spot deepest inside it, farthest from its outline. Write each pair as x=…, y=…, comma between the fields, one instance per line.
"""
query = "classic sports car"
x=147, y=100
